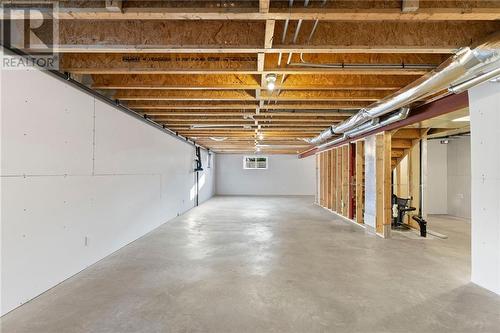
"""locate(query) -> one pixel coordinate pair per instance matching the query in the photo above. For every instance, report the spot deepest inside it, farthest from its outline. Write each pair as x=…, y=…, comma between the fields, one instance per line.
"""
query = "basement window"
x=255, y=162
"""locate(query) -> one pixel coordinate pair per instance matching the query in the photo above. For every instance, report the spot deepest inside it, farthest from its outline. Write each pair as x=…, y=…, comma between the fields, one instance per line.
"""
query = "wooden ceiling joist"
x=243, y=95
x=245, y=13
x=149, y=36
x=265, y=113
x=184, y=63
x=147, y=63
x=224, y=105
x=249, y=82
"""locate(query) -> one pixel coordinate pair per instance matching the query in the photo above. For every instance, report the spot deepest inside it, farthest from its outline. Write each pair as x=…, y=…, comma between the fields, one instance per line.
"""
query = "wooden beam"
x=327, y=95
x=149, y=36
x=402, y=143
x=264, y=6
x=338, y=178
x=262, y=120
x=175, y=82
x=183, y=95
x=383, y=184
x=409, y=6
x=346, y=184
x=360, y=186
x=244, y=105
x=228, y=63
x=247, y=82
x=327, y=14
x=407, y=133
x=269, y=34
x=243, y=95
x=114, y=6
x=333, y=199
x=332, y=115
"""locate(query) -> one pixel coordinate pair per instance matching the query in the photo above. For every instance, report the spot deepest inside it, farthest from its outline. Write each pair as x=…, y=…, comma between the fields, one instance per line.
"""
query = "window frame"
x=255, y=156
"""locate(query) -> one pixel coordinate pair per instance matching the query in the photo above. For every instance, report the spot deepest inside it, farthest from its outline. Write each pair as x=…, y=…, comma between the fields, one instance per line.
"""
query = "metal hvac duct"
x=466, y=64
x=457, y=89
x=368, y=127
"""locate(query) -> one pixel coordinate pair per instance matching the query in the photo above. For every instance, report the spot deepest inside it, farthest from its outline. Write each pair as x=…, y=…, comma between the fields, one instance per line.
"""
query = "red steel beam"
x=437, y=108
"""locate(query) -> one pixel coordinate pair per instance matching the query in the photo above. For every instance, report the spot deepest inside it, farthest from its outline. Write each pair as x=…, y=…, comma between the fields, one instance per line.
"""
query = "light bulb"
x=271, y=81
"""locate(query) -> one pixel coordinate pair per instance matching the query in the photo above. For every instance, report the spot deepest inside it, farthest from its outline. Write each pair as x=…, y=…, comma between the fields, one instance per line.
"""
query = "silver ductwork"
x=475, y=81
x=465, y=65
x=368, y=127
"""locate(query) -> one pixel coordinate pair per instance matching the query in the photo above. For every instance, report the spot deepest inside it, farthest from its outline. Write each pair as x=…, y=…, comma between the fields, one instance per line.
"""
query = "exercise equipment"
x=401, y=206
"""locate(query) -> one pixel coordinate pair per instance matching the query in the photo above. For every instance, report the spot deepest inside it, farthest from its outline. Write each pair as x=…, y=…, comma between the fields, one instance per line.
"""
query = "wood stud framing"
x=341, y=178
x=360, y=181
x=336, y=183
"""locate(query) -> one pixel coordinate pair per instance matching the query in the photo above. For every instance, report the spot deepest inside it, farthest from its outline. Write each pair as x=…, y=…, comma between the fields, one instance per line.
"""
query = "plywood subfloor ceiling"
x=200, y=67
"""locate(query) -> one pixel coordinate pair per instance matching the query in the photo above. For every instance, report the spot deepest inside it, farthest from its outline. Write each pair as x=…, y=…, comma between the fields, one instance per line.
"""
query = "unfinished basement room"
x=250, y=166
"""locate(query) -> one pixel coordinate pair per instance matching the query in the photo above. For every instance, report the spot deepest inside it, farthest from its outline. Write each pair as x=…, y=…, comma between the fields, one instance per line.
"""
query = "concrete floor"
x=270, y=264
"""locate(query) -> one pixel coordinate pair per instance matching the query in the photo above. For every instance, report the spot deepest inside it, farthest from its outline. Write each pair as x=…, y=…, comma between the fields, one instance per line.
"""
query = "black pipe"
x=197, y=169
x=419, y=219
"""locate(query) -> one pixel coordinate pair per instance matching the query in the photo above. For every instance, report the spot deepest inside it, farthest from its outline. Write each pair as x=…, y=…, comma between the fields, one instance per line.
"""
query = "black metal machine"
x=422, y=224
x=401, y=206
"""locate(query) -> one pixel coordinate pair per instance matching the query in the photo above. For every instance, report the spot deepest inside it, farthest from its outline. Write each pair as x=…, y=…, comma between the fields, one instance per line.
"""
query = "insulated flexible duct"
x=466, y=64
x=368, y=127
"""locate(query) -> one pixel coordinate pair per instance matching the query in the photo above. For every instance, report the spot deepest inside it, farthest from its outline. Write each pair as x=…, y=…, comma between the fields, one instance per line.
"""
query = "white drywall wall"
x=370, y=216
x=79, y=180
x=286, y=175
x=459, y=177
x=448, y=189
x=484, y=101
x=436, y=191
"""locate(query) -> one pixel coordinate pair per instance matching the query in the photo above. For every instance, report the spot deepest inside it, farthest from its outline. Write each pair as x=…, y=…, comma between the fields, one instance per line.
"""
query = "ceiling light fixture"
x=218, y=139
x=271, y=81
x=215, y=126
x=462, y=119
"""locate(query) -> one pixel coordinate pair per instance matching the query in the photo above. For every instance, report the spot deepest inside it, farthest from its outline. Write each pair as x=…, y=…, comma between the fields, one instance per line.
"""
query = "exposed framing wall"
x=342, y=177
x=341, y=186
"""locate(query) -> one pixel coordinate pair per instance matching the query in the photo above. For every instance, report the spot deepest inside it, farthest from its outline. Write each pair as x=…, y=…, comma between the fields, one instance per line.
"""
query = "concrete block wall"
x=79, y=180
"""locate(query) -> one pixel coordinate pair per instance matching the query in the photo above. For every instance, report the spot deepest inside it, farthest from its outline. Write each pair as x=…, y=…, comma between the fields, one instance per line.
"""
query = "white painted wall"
x=484, y=101
x=436, y=191
x=370, y=217
x=286, y=175
x=448, y=189
x=74, y=168
x=459, y=177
